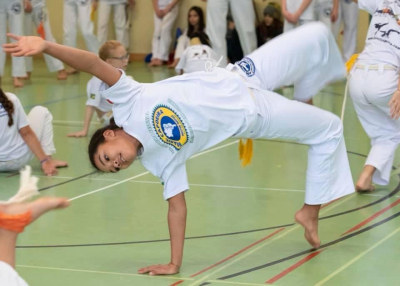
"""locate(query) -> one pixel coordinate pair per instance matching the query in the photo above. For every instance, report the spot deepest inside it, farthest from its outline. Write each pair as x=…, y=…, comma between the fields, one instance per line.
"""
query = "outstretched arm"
x=78, y=59
x=177, y=226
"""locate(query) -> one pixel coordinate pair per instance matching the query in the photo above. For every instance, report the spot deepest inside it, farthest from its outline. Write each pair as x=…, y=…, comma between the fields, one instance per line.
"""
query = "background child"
x=327, y=12
x=271, y=26
x=297, y=13
x=165, y=14
x=114, y=53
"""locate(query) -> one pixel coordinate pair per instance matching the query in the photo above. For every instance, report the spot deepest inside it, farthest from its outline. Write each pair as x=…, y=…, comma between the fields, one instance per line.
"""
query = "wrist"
x=175, y=264
x=47, y=159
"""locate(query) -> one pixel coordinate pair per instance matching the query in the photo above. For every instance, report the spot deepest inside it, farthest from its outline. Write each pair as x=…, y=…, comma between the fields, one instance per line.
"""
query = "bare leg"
x=37, y=208
x=364, y=183
x=308, y=218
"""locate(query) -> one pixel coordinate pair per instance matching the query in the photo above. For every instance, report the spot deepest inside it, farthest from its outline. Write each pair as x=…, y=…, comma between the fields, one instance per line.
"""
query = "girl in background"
x=271, y=26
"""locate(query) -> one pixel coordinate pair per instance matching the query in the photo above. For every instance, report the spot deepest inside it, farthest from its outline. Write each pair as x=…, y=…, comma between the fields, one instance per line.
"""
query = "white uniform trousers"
x=371, y=89
x=348, y=14
x=308, y=58
x=9, y=277
x=244, y=16
x=183, y=43
x=13, y=11
x=162, y=34
x=120, y=23
x=40, y=121
x=79, y=11
x=323, y=10
x=32, y=21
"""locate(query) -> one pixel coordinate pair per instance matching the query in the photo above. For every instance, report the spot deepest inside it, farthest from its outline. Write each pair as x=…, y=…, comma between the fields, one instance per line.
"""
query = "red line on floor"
x=327, y=204
x=372, y=217
x=293, y=267
x=231, y=256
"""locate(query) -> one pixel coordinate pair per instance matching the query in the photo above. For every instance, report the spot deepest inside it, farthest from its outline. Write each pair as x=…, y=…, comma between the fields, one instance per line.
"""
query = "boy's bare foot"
x=173, y=64
x=155, y=63
x=308, y=218
x=37, y=208
x=62, y=75
x=364, y=183
x=18, y=82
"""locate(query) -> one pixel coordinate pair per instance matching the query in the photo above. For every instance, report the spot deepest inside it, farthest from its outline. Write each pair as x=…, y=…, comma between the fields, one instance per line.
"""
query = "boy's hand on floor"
x=78, y=134
x=160, y=269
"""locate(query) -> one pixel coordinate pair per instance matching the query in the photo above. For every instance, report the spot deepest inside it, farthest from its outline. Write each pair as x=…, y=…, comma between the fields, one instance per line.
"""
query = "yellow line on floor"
x=103, y=272
x=323, y=281
x=247, y=253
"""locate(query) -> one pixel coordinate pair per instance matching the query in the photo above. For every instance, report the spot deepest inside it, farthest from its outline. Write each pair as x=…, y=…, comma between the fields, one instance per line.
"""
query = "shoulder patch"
x=247, y=66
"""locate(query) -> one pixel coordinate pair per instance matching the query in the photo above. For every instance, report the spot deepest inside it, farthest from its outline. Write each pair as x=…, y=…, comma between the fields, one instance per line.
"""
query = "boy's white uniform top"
x=179, y=117
x=9, y=277
x=194, y=58
x=93, y=95
x=293, y=5
x=12, y=145
x=383, y=39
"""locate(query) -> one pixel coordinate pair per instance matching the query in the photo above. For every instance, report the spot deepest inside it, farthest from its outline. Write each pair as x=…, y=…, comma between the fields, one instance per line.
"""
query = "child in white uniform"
x=113, y=53
x=374, y=88
x=165, y=123
x=196, y=56
x=297, y=13
x=12, y=12
x=165, y=14
x=40, y=16
x=22, y=139
x=120, y=10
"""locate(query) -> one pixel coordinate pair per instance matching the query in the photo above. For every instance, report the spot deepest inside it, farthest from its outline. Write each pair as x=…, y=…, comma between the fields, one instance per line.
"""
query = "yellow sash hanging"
x=246, y=152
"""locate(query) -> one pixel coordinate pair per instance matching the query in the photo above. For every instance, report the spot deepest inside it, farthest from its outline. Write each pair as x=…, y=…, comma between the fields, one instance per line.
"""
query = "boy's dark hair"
x=201, y=26
x=8, y=106
x=202, y=37
x=98, y=139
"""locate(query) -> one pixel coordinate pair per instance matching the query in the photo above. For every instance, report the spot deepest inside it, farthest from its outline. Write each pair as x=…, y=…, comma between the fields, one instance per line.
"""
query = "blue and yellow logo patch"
x=247, y=66
x=169, y=127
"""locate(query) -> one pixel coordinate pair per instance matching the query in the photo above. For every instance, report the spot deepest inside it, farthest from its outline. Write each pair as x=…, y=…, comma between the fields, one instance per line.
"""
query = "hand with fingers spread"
x=160, y=269
x=24, y=46
x=394, y=104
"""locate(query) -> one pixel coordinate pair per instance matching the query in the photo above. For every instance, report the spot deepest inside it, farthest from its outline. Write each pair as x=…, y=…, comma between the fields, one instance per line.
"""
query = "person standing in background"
x=297, y=13
x=327, y=12
x=39, y=18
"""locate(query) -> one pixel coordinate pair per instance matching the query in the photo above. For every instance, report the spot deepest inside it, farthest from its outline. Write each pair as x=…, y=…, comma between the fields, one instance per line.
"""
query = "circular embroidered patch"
x=247, y=66
x=16, y=8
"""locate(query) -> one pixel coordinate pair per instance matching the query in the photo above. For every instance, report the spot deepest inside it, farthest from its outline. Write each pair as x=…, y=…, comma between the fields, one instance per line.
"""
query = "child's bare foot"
x=27, y=77
x=18, y=82
x=155, y=63
x=71, y=71
x=308, y=218
x=37, y=208
x=364, y=183
x=62, y=75
x=173, y=64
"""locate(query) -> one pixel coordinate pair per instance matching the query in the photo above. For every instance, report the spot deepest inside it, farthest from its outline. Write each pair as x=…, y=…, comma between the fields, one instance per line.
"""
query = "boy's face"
x=119, y=58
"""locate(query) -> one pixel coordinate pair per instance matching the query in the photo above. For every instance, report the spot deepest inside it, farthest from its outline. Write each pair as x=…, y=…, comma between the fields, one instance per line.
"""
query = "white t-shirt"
x=195, y=57
x=93, y=95
x=9, y=277
x=162, y=4
x=383, y=39
x=12, y=145
x=179, y=117
x=293, y=5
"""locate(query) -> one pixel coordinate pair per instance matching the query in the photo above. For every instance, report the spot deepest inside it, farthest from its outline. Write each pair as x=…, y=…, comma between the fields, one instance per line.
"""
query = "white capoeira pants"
x=244, y=16
x=323, y=10
x=328, y=169
x=371, y=91
x=10, y=277
x=120, y=22
x=32, y=21
x=74, y=12
x=183, y=43
x=11, y=11
x=308, y=58
x=162, y=34
x=40, y=121
x=348, y=14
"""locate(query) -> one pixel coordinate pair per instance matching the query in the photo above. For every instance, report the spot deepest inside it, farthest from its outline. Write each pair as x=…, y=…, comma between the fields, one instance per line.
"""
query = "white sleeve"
x=175, y=181
x=122, y=91
x=19, y=116
x=369, y=5
x=93, y=96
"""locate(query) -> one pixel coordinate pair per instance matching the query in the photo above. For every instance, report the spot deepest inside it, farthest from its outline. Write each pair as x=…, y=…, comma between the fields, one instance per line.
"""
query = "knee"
x=336, y=127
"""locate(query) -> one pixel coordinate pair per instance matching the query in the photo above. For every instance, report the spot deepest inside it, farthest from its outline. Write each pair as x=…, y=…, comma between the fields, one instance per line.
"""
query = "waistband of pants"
x=379, y=67
x=236, y=71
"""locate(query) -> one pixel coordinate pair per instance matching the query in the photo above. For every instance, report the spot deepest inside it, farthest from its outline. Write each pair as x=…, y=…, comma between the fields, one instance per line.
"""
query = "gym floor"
x=240, y=228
